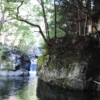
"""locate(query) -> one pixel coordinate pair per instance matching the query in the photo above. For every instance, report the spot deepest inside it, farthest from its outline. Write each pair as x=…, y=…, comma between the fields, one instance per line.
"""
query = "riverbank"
x=72, y=63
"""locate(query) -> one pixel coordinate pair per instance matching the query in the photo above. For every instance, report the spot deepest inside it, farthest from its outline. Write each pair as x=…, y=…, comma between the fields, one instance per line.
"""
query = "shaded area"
x=10, y=85
x=48, y=92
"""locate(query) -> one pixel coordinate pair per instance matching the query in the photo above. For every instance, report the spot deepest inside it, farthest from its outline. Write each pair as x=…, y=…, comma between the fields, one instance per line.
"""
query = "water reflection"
x=18, y=88
x=48, y=92
x=31, y=88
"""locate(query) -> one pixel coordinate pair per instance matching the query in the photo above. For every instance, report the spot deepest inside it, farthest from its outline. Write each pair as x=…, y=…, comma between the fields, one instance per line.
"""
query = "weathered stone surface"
x=22, y=62
x=73, y=63
x=14, y=73
x=74, y=77
x=3, y=73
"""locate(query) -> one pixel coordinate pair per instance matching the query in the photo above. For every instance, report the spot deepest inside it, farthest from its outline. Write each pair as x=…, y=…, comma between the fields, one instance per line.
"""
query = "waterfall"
x=33, y=67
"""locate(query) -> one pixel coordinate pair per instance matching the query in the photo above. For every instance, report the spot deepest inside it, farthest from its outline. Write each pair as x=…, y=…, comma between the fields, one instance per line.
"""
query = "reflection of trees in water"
x=28, y=91
x=10, y=85
x=48, y=92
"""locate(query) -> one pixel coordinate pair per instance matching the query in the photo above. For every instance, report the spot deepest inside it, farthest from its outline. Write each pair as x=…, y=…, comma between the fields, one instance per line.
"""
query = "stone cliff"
x=73, y=62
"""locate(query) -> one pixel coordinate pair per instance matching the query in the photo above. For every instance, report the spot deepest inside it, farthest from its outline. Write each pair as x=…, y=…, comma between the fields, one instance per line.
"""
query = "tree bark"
x=79, y=22
x=55, y=19
x=85, y=27
x=45, y=20
x=2, y=21
x=35, y=26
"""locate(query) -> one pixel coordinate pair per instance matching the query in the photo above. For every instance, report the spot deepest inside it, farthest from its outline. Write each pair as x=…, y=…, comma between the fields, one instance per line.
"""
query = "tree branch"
x=35, y=25
x=19, y=7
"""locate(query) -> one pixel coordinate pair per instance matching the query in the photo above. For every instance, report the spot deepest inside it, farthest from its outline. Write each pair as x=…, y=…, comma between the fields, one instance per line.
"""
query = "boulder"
x=13, y=73
x=72, y=77
x=22, y=62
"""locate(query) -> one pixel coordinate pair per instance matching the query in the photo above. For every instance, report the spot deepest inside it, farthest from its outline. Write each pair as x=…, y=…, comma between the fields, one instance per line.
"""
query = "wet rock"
x=3, y=73
x=14, y=73
x=26, y=73
x=22, y=62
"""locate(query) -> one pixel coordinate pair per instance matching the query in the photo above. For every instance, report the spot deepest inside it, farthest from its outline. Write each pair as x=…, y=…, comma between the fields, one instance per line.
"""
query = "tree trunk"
x=1, y=21
x=55, y=19
x=79, y=22
x=85, y=27
x=35, y=25
x=45, y=20
x=38, y=28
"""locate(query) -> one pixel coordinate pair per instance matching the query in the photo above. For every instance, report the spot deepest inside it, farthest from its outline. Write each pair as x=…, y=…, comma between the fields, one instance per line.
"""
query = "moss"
x=9, y=65
x=5, y=68
x=64, y=85
x=23, y=70
x=50, y=68
x=8, y=60
x=64, y=53
x=66, y=63
x=22, y=51
x=3, y=52
x=70, y=68
x=41, y=61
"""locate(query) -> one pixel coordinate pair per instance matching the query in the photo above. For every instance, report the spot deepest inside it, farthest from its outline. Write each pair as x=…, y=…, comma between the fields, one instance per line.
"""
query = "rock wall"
x=74, y=77
x=74, y=65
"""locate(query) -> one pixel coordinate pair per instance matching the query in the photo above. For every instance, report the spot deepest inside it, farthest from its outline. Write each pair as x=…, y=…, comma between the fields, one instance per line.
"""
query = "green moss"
x=8, y=60
x=64, y=85
x=22, y=51
x=70, y=68
x=41, y=61
x=5, y=68
x=3, y=52
x=9, y=66
x=50, y=68
x=23, y=70
x=66, y=63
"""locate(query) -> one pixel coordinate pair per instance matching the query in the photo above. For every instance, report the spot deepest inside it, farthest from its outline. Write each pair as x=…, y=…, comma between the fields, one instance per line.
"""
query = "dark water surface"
x=31, y=88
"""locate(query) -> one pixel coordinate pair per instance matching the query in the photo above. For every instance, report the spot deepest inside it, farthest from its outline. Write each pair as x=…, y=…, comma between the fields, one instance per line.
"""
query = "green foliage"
x=96, y=5
x=20, y=50
x=50, y=68
x=41, y=60
x=3, y=51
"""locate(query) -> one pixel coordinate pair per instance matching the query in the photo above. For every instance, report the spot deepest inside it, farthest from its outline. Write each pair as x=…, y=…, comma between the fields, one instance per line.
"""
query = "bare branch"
x=97, y=82
x=19, y=7
x=35, y=25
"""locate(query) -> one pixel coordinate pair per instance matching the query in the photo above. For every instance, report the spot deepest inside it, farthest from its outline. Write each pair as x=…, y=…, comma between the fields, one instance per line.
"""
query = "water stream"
x=31, y=88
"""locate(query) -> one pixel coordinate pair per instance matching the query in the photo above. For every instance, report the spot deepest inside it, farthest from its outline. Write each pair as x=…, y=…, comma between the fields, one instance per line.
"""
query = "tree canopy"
x=50, y=18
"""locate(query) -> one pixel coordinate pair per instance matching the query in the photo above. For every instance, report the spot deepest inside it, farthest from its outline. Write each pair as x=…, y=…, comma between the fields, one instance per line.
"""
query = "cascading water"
x=33, y=67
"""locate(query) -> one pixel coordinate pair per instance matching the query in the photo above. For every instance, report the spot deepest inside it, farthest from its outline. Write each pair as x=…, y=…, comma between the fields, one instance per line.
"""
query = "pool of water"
x=18, y=88
x=31, y=88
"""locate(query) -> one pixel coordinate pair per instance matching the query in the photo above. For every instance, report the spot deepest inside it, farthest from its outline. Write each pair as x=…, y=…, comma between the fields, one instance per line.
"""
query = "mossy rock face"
x=41, y=61
x=23, y=70
x=77, y=55
x=3, y=52
x=65, y=77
